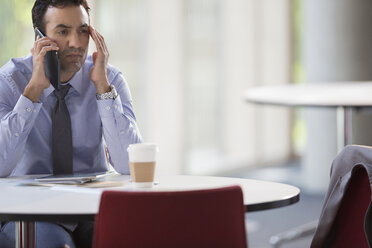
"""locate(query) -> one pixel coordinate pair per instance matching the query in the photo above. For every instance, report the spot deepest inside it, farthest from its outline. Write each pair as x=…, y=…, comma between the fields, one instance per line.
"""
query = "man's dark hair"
x=41, y=6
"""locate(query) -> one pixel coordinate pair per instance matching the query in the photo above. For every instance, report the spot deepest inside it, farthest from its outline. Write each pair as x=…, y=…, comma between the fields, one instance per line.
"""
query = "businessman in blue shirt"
x=98, y=101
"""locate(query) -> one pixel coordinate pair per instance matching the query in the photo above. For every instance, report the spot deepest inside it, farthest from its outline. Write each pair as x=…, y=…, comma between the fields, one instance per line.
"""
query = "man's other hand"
x=98, y=73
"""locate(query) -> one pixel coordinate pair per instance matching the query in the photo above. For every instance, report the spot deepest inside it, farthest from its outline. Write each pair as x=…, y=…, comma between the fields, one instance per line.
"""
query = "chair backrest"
x=348, y=228
x=200, y=218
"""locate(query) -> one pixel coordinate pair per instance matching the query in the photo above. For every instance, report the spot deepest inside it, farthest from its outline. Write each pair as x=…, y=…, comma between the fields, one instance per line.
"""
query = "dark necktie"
x=61, y=134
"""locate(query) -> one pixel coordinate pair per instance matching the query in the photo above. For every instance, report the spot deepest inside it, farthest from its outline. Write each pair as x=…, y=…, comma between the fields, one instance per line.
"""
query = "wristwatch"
x=108, y=95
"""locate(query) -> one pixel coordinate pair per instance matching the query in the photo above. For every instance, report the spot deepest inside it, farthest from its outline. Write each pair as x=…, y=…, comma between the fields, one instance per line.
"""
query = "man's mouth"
x=74, y=55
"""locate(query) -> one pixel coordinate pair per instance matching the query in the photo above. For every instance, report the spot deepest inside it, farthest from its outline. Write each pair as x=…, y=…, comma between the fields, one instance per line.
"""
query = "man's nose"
x=74, y=40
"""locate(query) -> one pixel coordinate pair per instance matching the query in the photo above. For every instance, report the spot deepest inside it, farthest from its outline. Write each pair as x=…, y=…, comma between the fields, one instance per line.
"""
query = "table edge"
x=303, y=104
x=91, y=217
x=273, y=204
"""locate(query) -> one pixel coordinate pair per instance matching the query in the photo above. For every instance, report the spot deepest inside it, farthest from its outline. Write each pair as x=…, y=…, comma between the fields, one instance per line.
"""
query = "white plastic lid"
x=142, y=152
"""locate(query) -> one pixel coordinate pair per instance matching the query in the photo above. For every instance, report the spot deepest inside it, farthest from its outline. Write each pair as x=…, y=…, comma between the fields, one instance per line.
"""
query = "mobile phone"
x=52, y=65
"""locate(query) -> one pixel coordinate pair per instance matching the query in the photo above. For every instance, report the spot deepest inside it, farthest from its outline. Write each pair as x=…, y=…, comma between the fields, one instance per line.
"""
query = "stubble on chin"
x=69, y=68
x=71, y=65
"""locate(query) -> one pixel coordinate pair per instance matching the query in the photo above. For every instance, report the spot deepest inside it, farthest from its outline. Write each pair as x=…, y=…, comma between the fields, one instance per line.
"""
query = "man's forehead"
x=72, y=16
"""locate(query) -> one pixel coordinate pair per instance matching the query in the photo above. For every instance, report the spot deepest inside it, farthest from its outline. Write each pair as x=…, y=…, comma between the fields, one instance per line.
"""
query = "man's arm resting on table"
x=15, y=126
x=119, y=125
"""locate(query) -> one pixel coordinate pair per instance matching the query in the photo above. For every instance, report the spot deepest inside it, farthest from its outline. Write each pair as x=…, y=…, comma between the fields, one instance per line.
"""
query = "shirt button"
x=28, y=109
x=108, y=107
x=34, y=110
x=16, y=134
x=116, y=106
x=122, y=132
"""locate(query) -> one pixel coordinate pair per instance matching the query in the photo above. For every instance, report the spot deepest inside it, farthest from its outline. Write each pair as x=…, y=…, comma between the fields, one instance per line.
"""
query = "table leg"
x=25, y=234
x=344, y=127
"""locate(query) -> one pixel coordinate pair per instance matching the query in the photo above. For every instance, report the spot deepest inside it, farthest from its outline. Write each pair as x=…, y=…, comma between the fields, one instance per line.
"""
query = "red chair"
x=348, y=228
x=202, y=218
x=346, y=225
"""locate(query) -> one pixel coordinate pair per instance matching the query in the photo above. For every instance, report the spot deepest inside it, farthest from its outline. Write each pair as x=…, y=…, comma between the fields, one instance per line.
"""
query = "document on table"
x=88, y=180
x=78, y=178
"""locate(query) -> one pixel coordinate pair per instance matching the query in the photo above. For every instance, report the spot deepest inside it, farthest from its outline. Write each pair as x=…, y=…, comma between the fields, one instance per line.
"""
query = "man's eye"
x=62, y=32
x=84, y=31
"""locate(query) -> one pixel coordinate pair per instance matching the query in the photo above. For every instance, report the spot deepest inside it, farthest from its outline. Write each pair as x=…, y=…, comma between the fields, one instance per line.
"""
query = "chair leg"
x=299, y=232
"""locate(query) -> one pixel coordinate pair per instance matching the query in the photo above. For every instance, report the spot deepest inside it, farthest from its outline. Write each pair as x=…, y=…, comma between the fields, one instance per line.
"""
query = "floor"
x=262, y=225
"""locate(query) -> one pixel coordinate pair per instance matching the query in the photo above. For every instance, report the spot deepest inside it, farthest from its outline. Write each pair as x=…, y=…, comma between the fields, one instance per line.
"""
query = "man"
x=98, y=103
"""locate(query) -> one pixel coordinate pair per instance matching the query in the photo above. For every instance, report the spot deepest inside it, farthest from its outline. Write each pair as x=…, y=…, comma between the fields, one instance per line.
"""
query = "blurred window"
x=187, y=63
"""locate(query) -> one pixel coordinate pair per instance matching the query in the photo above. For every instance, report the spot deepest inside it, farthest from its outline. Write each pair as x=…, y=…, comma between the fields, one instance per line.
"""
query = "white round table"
x=341, y=95
x=344, y=96
x=27, y=204
x=71, y=203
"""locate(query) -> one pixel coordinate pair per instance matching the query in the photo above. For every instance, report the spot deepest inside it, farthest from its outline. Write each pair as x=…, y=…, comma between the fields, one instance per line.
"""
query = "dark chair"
x=346, y=218
x=347, y=225
x=201, y=218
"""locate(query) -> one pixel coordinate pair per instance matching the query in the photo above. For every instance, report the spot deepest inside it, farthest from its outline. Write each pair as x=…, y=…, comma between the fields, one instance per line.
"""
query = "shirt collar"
x=76, y=83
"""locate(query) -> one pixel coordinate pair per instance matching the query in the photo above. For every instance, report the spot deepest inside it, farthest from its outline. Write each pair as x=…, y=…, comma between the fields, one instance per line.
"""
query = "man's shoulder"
x=17, y=65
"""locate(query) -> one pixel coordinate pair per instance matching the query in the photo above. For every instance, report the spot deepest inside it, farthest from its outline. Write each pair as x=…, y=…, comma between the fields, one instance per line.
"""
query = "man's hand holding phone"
x=98, y=73
x=39, y=81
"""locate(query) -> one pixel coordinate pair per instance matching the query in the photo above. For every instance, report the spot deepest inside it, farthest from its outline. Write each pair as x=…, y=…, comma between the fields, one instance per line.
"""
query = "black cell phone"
x=52, y=65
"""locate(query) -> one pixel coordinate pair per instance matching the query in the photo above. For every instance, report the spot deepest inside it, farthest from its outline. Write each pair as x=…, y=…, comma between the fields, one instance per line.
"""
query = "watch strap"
x=108, y=95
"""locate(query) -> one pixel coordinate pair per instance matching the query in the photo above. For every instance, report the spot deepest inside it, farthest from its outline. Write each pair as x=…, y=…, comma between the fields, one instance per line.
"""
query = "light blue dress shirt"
x=26, y=127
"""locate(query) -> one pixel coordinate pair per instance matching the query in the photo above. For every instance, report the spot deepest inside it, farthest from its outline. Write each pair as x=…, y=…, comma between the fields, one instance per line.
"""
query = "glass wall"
x=188, y=63
x=16, y=33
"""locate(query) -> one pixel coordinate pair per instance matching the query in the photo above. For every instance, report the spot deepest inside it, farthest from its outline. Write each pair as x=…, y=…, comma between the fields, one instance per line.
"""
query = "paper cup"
x=142, y=162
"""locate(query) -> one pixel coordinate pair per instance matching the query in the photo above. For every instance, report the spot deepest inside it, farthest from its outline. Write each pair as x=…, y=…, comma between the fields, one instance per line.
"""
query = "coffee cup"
x=142, y=161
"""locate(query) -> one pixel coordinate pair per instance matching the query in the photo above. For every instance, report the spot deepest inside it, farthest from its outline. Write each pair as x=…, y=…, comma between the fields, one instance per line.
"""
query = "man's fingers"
x=93, y=33
x=103, y=43
x=41, y=40
x=99, y=41
x=44, y=43
x=45, y=49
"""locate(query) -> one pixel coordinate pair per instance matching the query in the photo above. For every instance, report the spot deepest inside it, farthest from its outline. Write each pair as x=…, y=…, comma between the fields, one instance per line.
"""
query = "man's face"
x=69, y=28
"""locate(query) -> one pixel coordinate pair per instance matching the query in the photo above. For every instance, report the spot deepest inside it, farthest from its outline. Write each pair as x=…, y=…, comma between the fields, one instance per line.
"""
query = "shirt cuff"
x=110, y=107
x=26, y=108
